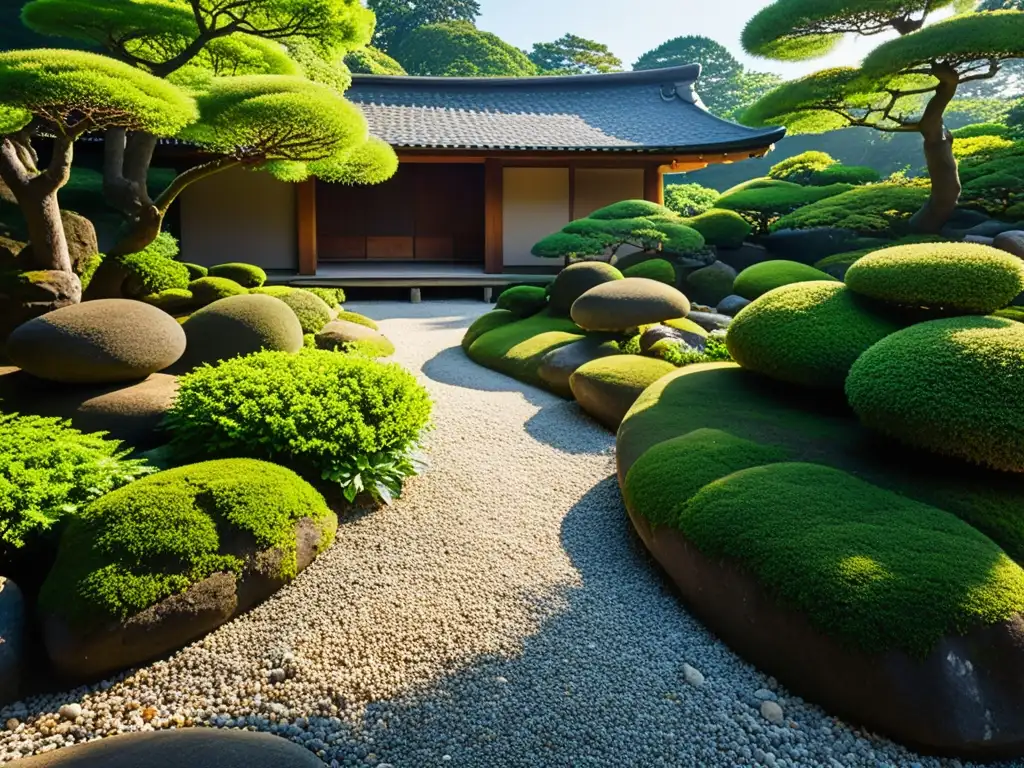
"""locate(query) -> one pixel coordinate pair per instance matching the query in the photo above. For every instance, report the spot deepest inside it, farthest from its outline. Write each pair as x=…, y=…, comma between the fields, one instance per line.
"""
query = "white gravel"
x=501, y=614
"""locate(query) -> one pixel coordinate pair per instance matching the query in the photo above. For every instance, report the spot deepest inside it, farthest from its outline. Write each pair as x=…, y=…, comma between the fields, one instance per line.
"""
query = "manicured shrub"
x=809, y=333
x=844, y=174
x=575, y=280
x=207, y=290
x=173, y=300
x=950, y=386
x=246, y=275
x=312, y=311
x=959, y=277
x=690, y=199
x=373, y=348
x=355, y=317
x=523, y=300
x=319, y=412
x=333, y=297
x=631, y=209
x=158, y=536
x=516, y=348
x=763, y=205
x=799, y=168
x=195, y=271
x=48, y=471
x=487, y=322
x=873, y=209
x=980, y=149
x=981, y=129
x=757, y=280
x=722, y=228
x=837, y=264
x=154, y=269
x=653, y=269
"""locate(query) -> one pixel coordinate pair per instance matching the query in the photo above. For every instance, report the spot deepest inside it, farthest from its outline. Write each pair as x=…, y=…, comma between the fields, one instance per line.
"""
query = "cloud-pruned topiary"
x=975, y=130
x=756, y=280
x=950, y=386
x=799, y=168
x=653, y=269
x=766, y=202
x=487, y=322
x=721, y=228
x=958, y=277
x=873, y=209
x=156, y=537
x=575, y=280
x=372, y=61
x=246, y=275
x=808, y=333
x=523, y=300
x=207, y=290
x=690, y=199
x=312, y=312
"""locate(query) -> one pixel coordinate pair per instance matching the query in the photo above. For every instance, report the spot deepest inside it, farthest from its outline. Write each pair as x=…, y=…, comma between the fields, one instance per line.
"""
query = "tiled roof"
x=649, y=111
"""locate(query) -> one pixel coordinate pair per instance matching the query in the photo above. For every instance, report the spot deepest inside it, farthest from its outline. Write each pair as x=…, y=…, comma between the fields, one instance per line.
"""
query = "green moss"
x=873, y=209
x=575, y=280
x=487, y=322
x=86, y=268
x=1011, y=313
x=950, y=386
x=355, y=317
x=195, y=271
x=961, y=277
x=757, y=280
x=379, y=347
x=844, y=174
x=516, y=348
x=246, y=275
x=806, y=333
x=607, y=387
x=722, y=228
x=207, y=290
x=312, y=311
x=333, y=297
x=653, y=269
x=159, y=535
x=173, y=300
x=685, y=324
x=150, y=271
x=630, y=209
x=865, y=565
x=523, y=300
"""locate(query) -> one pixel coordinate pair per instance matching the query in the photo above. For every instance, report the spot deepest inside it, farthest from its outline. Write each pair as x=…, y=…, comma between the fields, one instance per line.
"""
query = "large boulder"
x=237, y=326
x=557, y=366
x=12, y=639
x=710, y=321
x=629, y=303
x=241, y=530
x=183, y=748
x=81, y=236
x=575, y=280
x=131, y=411
x=709, y=285
x=1012, y=242
x=607, y=388
x=27, y=295
x=993, y=228
x=348, y=336
x=731, y=305
x=97, y=342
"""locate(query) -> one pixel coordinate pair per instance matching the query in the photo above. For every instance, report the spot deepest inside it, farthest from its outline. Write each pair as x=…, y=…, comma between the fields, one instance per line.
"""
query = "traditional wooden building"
x=488, y=167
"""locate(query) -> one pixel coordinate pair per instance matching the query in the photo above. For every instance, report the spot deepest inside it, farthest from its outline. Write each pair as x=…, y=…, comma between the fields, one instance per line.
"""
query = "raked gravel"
x=501, y=614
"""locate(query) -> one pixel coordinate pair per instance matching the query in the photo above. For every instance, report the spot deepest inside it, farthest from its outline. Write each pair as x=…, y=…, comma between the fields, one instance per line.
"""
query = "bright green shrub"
x=523, y=300
x=764, y=204
x=758, y=279
x=960, y=277
x=487, y=322
x=48, y=471
x=809, y=333
x=246, y=275
x=317, y=411
x=1011, y=313
x=873, y=209
x=631, y=209
x=333, y=297
x=516, y=348
x=653, y=269
x=154, y=269
x=575, y=280
x=158, y=536
x=978, y=149
x=207, y=290
x=799, y=168
x=981, y=129
x=690, y=199
x=355, y=317
x=173, y=301
x=845, y=259
x=722, y=228
x=865, y=565
x=844, y=174
x=86, y=268
x=373, y=348
x=951, y=386
x=195, y=271
x=312, y=311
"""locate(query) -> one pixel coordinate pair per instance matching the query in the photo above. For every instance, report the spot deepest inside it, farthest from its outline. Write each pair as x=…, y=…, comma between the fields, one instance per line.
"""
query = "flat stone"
x=710, y=321
x=1011, y=242
x=623, y=304
x=693, y=676
x=558, y=365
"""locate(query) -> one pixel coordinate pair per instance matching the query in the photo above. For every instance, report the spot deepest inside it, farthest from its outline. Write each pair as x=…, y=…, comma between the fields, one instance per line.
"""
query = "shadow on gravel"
x=566, y=427
x=451, y=366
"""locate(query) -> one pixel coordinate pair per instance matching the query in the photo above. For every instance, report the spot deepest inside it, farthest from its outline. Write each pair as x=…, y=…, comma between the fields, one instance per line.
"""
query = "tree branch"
x=194, y=174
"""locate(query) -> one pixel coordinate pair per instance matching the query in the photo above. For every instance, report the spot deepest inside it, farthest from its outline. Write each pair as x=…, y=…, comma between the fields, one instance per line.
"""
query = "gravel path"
x=501, y=614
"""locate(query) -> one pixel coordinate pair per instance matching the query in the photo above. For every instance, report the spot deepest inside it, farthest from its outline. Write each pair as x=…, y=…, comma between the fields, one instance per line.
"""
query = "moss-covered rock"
x=312, y=311
x=721, y=228
x=575, y=280
x=345, y=336
x=174, y=301
x=246, y=275
x=355, y=317
x=207, y=290
x=164, y=560
x=97, y=342
x=236, y=326
x=731, y=305
x=653, y=269
x=755, y=281
x=487, y=322
x=523, y=300
x=950, y=386
x=959, y=277
x=709, y=285
x=607, y=387
x=333, y=297
x=195, y=271
x=557, y=366
x=517, y=348
x=629, y=303
x=807, y=333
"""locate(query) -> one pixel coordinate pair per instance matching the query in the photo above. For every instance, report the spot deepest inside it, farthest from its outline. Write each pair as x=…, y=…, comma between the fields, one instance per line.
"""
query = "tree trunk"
x=938, y=152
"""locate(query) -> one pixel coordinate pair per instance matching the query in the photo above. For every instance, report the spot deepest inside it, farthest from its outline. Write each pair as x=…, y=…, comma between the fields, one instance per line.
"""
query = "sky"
x=632, y=27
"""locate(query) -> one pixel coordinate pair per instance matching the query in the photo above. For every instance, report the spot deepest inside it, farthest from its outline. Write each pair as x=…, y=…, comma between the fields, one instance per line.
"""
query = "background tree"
x=397, y=19
x=574, y=55
x=1010, y=80
x=905, y=85
x=372, y=61
x=459, y=49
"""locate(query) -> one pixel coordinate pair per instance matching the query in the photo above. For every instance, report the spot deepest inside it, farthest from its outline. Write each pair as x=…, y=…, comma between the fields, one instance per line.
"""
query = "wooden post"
x=654, y=187
x=306, y=224
x=493, y=217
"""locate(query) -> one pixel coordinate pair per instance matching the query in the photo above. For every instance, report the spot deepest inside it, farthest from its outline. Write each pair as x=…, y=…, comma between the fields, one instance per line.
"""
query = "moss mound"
x=494, y=319
x=516, y=348
x=755, y=281
x=333, y=297
x=960, y=277
x=195, y=271
x=523, y=300
x=710, y=284
x=312, y=311
x=246, y=275
x=173, y=301
x=355, y=317
x=806, y=333
x=207, y=290
x=575, y=280
x=951, y=386
x=607, y=387
x=722, y=228
x=159, y=535
x=653, y=269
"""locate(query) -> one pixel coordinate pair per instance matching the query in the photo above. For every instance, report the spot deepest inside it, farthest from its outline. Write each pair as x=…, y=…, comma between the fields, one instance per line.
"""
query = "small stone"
x=70, y=711
x=12, y=724
x=693, y=676
x=763, y=694
x=772, y=712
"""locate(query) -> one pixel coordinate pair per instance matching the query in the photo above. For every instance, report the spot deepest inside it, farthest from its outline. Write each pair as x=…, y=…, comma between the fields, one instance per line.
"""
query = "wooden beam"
x=494, y=258
x=305, y=199
x=654, y=187
x=572, y=191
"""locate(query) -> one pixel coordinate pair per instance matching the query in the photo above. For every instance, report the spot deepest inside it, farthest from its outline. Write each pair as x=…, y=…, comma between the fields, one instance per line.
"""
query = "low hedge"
x=516, y=348
x=950, y=386
x=246, y=275
x=523, y=300
x=721, y=228
x=755, y=281
x=960, y=277
x=653, y=269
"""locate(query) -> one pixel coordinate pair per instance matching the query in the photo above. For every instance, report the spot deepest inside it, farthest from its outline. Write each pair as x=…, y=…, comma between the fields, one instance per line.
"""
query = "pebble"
x=70, y=711
x=693, y=676
x=772, y=712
